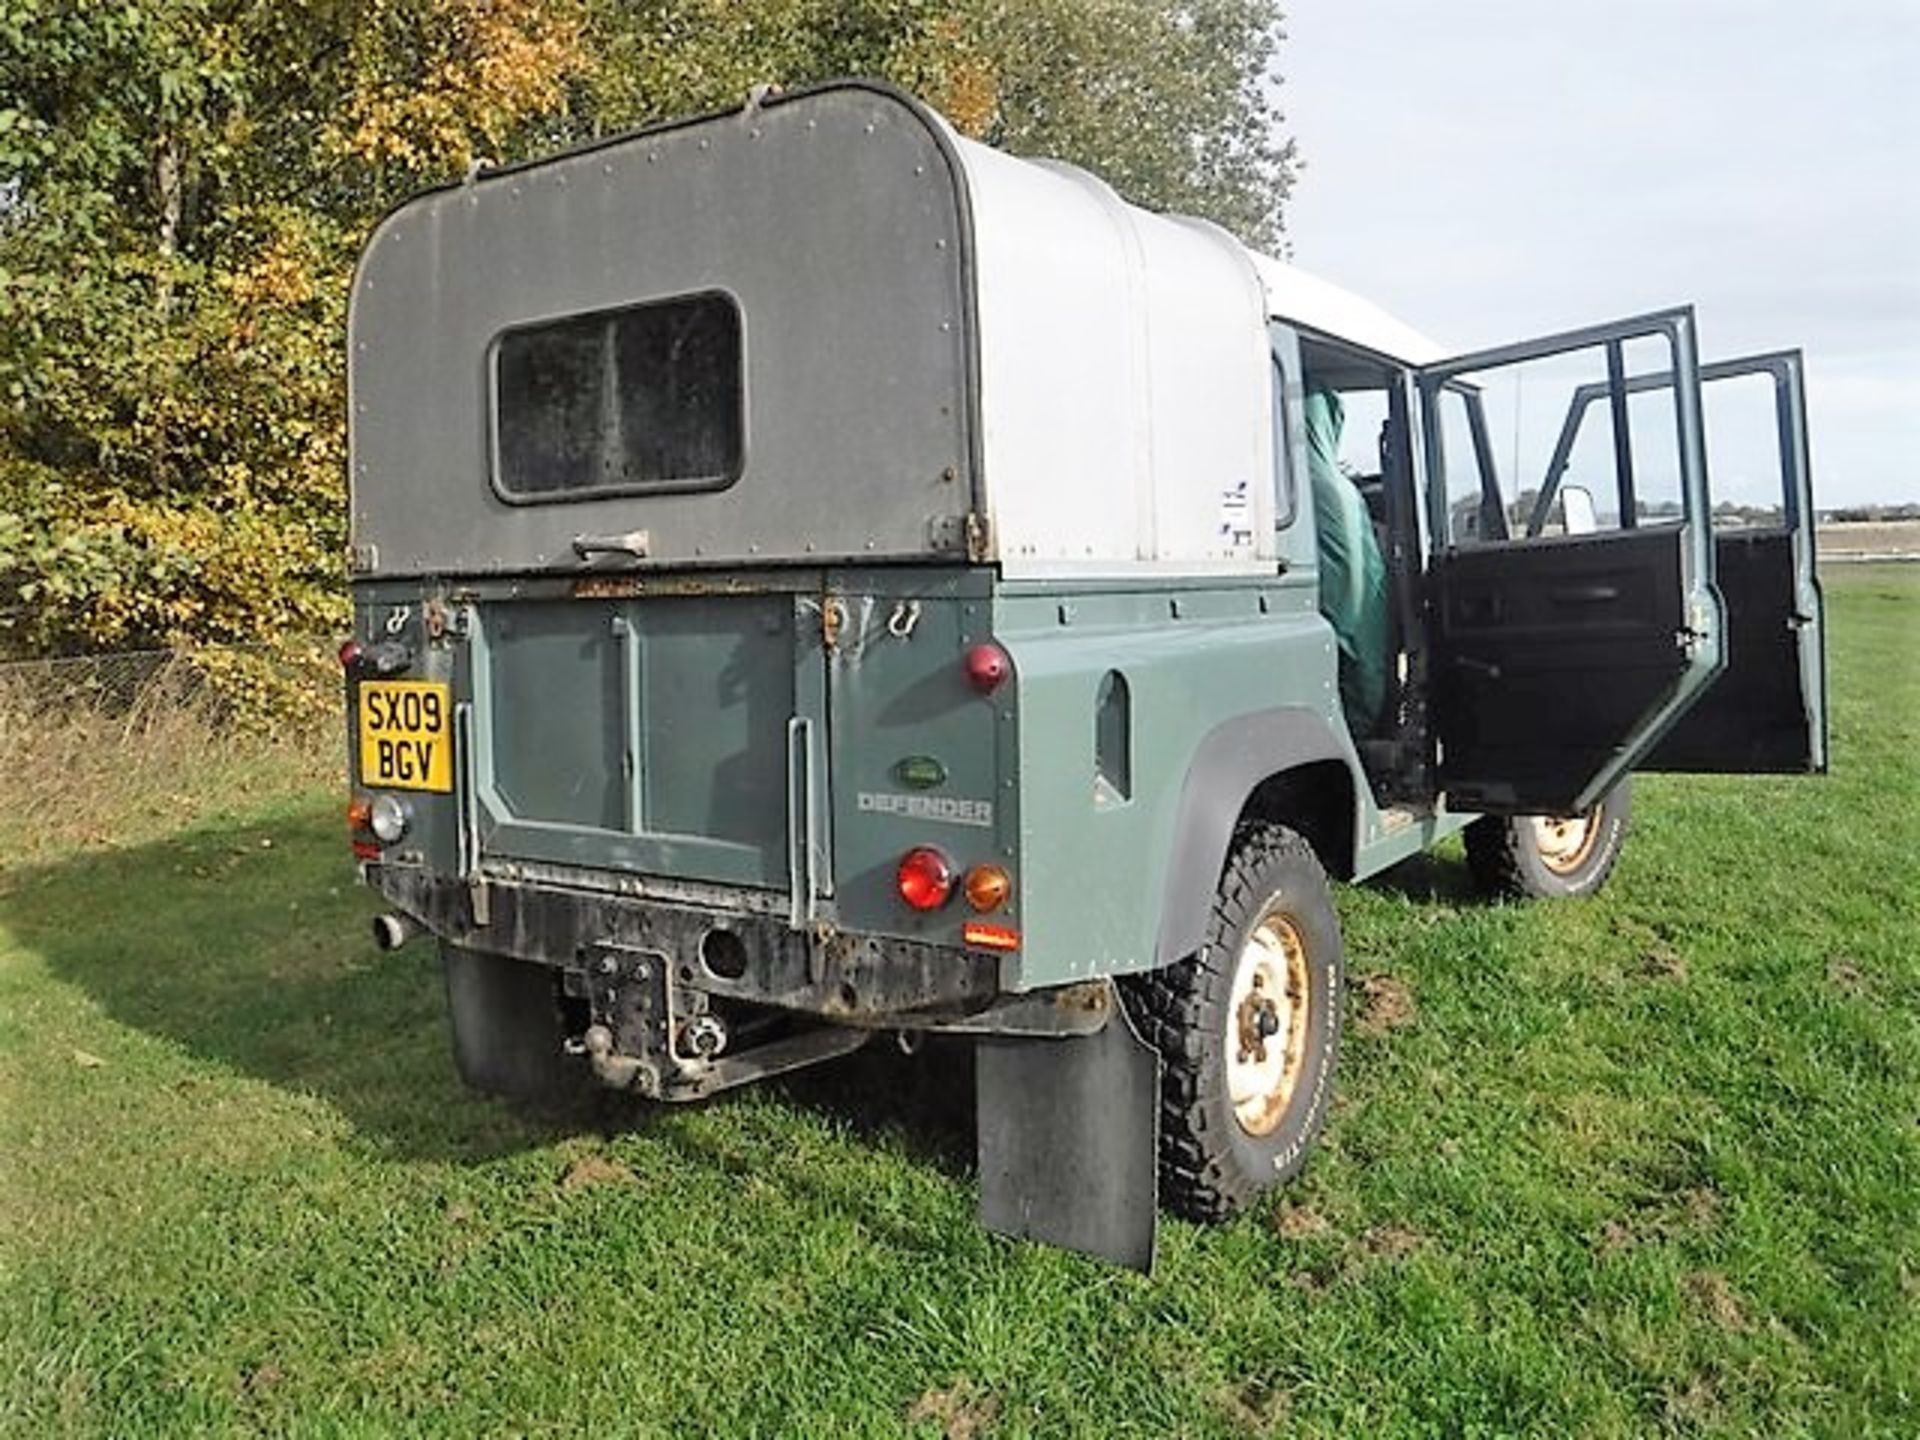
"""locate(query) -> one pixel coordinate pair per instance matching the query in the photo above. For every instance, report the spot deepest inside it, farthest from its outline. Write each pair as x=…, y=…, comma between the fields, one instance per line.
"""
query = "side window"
x=647, y=397
x=1286, y=503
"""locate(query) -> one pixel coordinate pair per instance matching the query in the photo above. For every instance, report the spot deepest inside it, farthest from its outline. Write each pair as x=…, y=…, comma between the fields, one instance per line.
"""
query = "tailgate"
x=672, y=736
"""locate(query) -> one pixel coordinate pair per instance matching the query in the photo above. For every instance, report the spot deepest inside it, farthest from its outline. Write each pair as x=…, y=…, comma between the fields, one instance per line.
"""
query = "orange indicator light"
x=988, y=887
x=990, y=937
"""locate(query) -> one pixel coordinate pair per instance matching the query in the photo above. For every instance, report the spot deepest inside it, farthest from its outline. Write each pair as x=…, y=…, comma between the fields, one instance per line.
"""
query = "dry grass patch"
x=958, y=1412
x=116, y=750
x=1386, y=1003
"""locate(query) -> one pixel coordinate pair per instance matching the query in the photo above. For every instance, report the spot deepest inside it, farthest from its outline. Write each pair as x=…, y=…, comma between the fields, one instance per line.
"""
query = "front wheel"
x=1248, y=1030
x=1546, y=856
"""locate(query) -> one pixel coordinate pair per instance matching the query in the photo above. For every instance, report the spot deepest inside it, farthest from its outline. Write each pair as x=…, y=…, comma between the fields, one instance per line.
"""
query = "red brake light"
x=988, y=667
x=350, y=654
x=925, y=878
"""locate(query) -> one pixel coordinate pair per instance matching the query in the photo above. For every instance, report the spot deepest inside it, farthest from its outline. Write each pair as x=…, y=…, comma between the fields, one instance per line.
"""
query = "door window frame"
x=1677, y=328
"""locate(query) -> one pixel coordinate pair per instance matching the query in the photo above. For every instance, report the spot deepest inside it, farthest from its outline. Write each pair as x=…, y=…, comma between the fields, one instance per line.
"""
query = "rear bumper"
x=825, y=972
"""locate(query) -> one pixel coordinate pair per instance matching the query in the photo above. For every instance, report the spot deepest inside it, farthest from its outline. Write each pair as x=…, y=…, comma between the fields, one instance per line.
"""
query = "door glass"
x=1547, y=425
x=1651, y=424
x=1749, y=466
x=1476, y=508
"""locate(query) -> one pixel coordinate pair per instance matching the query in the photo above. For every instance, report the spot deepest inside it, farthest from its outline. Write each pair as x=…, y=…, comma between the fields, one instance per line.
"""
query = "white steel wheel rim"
x=1266, y=1028
x=1565, y=842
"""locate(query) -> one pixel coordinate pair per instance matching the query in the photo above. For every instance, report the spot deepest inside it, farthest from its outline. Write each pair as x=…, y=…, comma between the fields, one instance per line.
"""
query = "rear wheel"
x=1248, y=1030
x=1545, y=856
x=508, y=1034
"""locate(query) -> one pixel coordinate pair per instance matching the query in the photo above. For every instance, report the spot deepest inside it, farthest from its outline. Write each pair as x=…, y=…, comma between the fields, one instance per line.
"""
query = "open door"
x=1767, y=713
x=1564, y=652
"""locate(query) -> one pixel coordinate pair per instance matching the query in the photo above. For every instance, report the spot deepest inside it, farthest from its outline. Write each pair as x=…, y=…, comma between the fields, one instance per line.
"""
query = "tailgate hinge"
x=979, y=538
x=969, y=533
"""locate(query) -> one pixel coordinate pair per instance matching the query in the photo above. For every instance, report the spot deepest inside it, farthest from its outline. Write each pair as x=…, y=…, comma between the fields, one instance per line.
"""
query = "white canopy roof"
x=1305, y=299
x=1126, y=384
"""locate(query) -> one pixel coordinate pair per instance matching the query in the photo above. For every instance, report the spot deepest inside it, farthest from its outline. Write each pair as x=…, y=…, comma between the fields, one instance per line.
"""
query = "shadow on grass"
x=248, y=948
x=1430, y=876
x=921, y=1103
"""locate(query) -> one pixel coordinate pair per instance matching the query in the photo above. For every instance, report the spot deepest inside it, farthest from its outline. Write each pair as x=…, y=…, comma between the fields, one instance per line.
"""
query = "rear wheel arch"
x=1316, y=802
x=1283, y=766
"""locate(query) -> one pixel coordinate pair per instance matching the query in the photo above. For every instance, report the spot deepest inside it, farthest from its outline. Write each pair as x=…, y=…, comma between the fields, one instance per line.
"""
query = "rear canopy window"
x=645, y=397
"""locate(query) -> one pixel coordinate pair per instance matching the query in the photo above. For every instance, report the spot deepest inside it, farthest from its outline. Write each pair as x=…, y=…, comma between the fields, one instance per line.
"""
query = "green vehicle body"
x=681, y=785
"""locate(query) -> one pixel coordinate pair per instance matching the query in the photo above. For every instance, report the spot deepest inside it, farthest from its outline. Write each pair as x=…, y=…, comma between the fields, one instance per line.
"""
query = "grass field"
x=1647, y=1163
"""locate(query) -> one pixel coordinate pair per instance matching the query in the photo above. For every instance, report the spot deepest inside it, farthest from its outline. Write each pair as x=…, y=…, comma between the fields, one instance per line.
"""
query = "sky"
x=1492, y=170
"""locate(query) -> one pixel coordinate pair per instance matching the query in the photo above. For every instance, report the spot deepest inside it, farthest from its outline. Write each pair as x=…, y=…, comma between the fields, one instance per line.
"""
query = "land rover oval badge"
x=920, y=772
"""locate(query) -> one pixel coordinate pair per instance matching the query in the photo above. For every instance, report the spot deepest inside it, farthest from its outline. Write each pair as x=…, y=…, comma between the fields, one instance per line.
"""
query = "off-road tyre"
x=508, y=1032
x=1510, y=860
x=1211, y=1166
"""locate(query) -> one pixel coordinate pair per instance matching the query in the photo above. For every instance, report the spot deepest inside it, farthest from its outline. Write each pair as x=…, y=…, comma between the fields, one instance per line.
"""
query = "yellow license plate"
x=406, y=735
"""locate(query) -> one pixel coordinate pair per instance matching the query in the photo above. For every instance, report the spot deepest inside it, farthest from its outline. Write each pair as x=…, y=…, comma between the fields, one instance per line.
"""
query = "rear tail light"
x=988, y=667
x=987, y=887
x=350, y=654
x=360, y=826
x=925, y=878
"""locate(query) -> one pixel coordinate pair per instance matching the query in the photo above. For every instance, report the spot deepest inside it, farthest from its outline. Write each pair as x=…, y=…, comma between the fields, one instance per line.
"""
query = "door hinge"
x=1690, y=639
x=1699, y=627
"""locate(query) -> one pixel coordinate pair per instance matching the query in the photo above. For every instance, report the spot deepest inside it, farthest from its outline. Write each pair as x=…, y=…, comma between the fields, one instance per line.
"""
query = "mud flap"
x=507, y=1035
x=1069, y=1139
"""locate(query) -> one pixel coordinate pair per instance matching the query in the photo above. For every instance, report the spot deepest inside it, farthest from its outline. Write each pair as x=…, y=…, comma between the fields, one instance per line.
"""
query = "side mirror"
x=1576, y=505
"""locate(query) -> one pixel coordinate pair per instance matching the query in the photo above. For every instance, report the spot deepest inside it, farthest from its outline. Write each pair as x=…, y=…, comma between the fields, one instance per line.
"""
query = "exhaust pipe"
x=392, y=930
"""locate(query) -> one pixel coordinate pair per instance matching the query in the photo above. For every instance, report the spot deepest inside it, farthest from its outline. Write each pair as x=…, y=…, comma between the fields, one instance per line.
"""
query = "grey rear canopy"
x=681, y=332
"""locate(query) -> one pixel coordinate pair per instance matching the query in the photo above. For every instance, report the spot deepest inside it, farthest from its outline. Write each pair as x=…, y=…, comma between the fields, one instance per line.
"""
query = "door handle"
x=1478, y=666
x=466, y=797
x=627, y=542
x=803, y=803
x=1583, y=594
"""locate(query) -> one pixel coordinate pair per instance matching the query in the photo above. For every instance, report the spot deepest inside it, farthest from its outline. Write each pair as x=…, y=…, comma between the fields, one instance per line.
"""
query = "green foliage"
x=1170, y=103
x=184, y=186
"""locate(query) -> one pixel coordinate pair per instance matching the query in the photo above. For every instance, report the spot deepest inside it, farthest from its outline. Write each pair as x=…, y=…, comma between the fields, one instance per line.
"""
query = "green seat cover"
x=1353, y=574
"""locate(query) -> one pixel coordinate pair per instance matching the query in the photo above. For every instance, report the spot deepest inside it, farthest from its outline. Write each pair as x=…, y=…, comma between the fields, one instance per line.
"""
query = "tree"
x=184, y=185
x=1170, y=103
